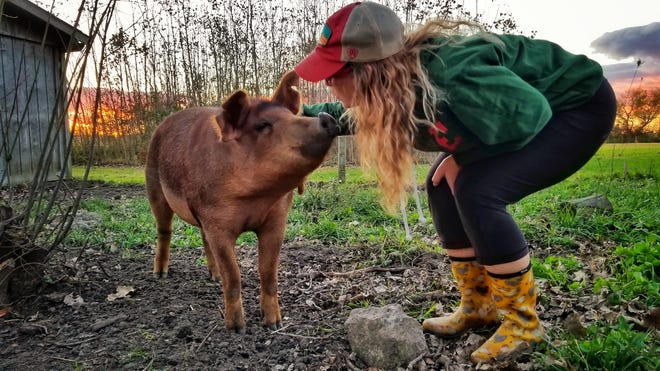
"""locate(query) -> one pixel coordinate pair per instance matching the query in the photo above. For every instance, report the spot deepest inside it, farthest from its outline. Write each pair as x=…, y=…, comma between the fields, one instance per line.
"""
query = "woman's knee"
x=466, y=188
x=472, y=196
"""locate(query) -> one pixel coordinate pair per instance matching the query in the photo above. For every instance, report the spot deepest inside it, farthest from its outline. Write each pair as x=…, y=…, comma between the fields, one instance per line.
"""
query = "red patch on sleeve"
x=439, y=133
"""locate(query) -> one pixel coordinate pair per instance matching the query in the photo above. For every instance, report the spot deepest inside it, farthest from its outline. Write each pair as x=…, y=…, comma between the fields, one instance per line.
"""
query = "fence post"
x=341, y=158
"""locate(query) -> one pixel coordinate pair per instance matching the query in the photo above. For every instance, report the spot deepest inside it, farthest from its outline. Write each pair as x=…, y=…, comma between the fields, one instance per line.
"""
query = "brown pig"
x=233, y=169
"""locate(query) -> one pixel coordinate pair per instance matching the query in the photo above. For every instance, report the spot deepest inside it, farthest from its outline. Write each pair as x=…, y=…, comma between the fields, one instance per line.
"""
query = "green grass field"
x=347, y=214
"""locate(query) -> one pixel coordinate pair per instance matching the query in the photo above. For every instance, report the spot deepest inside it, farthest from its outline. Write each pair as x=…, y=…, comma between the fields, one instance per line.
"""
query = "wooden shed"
x=33, y=45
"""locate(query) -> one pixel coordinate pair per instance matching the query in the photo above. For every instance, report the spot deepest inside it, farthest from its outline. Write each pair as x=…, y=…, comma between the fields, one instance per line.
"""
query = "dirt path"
x=176, y=323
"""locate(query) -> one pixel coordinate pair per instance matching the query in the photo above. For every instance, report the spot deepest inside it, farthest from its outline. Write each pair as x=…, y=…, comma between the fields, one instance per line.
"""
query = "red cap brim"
x=315, y=68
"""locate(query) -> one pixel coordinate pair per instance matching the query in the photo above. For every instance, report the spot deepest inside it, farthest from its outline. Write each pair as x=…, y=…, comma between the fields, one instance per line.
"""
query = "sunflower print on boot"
x=476, y=309
x=515, y=300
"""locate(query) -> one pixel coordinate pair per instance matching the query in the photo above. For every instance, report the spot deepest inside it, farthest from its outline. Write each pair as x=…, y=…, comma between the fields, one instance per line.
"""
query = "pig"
x=232, y=169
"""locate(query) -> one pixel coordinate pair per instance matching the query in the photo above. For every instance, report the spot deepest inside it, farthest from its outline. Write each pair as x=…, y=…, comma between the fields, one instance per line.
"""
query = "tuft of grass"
x=634, y=273
x=558, y=270
x=606, y=347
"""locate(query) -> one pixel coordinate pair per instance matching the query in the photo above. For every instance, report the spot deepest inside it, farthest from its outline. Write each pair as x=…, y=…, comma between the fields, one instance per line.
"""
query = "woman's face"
x=341, y=84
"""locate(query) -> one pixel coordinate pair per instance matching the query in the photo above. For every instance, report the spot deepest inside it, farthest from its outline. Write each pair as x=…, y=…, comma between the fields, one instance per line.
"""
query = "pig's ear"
x=229, y=119
x=287, y=93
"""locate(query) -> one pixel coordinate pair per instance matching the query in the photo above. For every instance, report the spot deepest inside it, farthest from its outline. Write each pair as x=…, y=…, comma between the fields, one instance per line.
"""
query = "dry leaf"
x=122, y=292
x=5, y=311
x=73, y=300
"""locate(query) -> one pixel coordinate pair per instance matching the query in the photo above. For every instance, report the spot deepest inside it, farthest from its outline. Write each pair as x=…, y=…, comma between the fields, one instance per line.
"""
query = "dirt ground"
x=104, y=310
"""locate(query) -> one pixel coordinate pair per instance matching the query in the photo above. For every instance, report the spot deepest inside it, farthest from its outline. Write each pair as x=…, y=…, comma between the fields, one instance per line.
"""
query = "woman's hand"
x=447, y=169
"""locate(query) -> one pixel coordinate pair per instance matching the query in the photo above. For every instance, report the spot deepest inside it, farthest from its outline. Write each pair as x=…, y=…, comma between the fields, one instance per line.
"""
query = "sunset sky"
x=616, y=33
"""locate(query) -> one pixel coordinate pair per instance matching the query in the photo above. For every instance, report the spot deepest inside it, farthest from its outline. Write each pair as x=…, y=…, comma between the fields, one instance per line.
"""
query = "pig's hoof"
x=238, y=330
x=160, y=274
x=236, y=327
x=275, y=326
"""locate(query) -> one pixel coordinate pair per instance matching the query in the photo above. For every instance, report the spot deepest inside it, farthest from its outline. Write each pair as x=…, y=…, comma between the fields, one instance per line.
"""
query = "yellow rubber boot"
x=515, y=300
x=476, y=309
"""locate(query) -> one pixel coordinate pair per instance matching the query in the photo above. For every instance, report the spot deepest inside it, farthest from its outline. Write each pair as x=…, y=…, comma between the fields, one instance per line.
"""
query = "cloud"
x=648, y=68
x=637, y=42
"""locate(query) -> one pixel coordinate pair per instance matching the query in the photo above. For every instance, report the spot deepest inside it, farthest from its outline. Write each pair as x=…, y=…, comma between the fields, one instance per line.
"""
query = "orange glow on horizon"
x=110, y=122
x=622, y=86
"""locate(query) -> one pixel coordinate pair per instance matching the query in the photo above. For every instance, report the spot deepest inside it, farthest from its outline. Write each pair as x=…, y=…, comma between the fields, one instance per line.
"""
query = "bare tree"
x=35, y=218
x=171, y=54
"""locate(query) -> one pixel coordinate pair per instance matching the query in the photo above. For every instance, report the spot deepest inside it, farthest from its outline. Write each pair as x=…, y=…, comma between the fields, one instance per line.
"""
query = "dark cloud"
x=637, y=42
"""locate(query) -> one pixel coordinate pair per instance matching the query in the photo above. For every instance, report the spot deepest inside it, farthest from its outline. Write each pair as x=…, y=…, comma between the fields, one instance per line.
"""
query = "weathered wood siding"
x=32, y=113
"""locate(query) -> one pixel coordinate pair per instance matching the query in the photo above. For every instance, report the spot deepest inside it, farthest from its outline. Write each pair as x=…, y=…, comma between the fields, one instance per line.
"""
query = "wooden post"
x=341, y=158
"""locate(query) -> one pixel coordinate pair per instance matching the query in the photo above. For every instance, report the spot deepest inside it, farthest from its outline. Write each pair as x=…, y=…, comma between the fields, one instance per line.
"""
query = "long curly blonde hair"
x=383, y=112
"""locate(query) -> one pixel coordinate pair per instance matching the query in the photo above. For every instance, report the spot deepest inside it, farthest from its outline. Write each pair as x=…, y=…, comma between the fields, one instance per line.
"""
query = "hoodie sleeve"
x=334, y=109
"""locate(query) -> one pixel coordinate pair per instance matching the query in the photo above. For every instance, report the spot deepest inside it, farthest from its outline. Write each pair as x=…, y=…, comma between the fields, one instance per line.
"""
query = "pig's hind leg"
x=163, y=215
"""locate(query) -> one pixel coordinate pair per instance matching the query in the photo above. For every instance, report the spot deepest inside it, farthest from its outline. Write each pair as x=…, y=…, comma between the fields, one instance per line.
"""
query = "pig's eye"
x=264, y=126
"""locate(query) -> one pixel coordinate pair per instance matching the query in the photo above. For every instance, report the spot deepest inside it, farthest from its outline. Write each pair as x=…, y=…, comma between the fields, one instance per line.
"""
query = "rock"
x=86, y=220
x=385, y=337
x=589, y=204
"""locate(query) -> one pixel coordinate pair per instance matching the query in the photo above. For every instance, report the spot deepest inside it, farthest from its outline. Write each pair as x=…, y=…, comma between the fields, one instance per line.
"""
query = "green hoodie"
x=496, y=97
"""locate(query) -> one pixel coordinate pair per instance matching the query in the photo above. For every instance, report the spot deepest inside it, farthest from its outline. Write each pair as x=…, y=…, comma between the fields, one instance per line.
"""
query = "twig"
x=414, y=361
x=103, y=270
x=280, y=331
x=64, y=359
x=206, y=337
x=351, y=365
x=70, y=345
x=42, y=327
x=107, y=322
x=304, y=336
x=366, y=270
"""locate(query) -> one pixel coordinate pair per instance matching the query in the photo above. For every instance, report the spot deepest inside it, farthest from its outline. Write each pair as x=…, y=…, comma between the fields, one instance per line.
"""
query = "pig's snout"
x=329, y=124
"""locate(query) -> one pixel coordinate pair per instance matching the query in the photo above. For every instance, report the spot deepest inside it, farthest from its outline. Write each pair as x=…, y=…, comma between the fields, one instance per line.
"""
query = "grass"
x=348, y=214
x=604, y=347
x=113, y=175
x=624, y=160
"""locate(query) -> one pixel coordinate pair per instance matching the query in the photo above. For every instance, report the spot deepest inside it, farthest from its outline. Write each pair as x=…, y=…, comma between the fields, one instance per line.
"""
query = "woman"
x=511, y=115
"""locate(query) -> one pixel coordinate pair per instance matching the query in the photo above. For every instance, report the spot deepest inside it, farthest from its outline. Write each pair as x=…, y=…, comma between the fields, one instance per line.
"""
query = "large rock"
x=588, y=205
x=385, y=337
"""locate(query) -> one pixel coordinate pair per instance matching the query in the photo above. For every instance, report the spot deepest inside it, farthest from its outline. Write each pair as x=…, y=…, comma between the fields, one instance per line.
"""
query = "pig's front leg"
x=270, y=243
x=222, y=249
x=214, y=270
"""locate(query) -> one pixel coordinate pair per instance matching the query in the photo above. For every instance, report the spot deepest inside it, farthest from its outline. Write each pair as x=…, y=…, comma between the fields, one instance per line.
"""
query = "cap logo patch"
x=352, y=53
x=325, y=35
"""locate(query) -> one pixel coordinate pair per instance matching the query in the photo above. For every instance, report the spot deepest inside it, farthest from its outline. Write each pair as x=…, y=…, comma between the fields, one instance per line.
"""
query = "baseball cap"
x=359, y=32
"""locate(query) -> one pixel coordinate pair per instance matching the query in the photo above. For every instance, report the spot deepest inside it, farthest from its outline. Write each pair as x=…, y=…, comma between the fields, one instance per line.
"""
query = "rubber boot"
x=476, y=309
x=515, y=300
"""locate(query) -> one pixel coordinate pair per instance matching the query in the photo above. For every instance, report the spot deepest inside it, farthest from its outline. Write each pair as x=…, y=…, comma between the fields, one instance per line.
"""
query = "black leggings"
x=476, y=216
